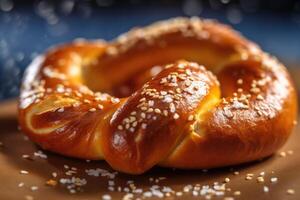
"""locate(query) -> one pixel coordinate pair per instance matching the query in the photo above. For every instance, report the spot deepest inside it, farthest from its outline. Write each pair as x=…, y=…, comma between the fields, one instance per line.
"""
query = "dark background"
x=29, y=27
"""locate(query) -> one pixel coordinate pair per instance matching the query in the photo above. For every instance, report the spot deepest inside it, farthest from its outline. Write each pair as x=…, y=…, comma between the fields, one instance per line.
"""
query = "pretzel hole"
x=230, y=75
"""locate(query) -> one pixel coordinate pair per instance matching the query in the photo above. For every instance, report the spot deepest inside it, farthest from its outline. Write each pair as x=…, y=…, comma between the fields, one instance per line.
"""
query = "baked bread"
x=183, y=93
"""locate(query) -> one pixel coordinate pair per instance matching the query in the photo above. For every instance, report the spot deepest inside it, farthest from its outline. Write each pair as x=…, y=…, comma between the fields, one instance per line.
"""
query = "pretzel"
x=183, y=93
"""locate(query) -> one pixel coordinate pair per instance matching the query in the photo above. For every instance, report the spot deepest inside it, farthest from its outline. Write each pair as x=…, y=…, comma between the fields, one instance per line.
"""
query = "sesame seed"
x=115, y=100
x=236, y=173
x=150, y=110
x=290, y=191
x=282, y=154
x=179, y=193
x=172, y=108
x=143, y=115
x=133, y=113
x=61, y=110
x=92, y=109
x=259, y=97
x=24, y=172
x=266, y=189
x=134, y=124
x=191, y=117
x=54, y=174
x=144, y=108
x=106, y=197
x=260, y=179
x=29, y=197
x=274, y=179
x=86, y=101
x=120, y=127
x=132, y=118
x=240, y=90
x=165, y=112
x=76, y=104
x=176, y=116
x=151, y=103
x=34, y=188
x=255, y=90
x=227, y=180
x=156, y=110
x=21, y=184
x=163, y=93
x=25, y=156
x=144, y=125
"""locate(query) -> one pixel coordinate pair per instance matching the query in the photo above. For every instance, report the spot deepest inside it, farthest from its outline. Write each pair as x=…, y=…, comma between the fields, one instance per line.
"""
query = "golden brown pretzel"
x=148, y=113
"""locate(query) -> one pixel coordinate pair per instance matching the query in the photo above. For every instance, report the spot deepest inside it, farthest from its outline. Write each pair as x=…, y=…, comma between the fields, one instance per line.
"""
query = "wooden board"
x=14, y=145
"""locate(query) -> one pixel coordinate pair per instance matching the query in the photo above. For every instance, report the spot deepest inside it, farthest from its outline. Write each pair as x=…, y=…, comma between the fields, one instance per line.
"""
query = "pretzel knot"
x=184, y=93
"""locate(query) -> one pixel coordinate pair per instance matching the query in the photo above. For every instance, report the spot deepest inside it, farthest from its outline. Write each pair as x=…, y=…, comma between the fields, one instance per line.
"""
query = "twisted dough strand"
x=150, y=112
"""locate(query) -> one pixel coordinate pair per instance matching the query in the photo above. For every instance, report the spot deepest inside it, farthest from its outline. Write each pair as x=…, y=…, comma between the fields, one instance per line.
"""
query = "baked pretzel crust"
x=183, y=93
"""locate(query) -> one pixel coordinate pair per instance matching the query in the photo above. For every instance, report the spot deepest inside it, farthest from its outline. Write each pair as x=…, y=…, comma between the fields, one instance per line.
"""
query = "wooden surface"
x=14, y=145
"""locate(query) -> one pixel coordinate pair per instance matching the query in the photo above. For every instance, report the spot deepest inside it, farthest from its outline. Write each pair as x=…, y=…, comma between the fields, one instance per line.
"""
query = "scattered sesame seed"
x=24, y=172
x=290, y=191
x=144, y=125
x=262, y=173
x=282, y=154
x=274, y=179
x=34, y=188
x=179, y=193
x=29, y=197
x=260, y=179
x=249, y=177
x=266, y=189
x=236, y=173
x=106, y=197
x=25, y=156
x=227, y=180
x=21, y=184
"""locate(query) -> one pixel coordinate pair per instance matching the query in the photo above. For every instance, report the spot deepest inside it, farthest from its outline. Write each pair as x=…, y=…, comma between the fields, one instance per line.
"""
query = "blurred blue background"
x=27, y=28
